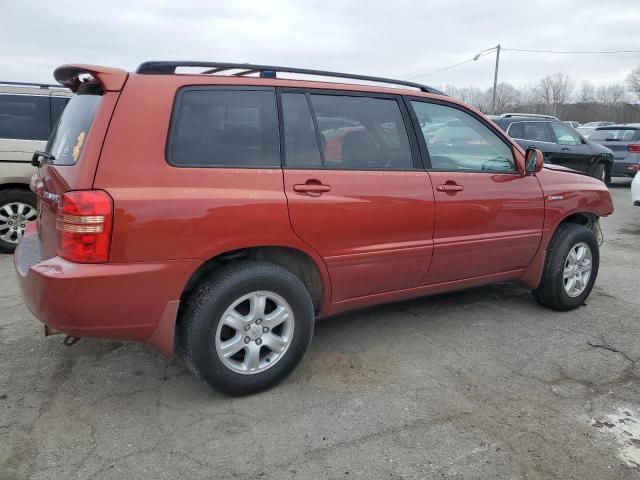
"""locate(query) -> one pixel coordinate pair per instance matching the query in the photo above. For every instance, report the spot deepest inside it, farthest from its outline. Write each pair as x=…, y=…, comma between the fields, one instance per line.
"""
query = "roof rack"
x=268, y=71
x=27, y=84
x=534, y=115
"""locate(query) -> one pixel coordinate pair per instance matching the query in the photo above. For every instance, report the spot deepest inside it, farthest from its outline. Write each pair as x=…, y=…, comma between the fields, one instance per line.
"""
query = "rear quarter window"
x=213, y=127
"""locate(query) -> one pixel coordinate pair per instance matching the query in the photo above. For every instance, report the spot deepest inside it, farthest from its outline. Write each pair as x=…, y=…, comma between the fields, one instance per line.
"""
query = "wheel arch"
x=309, y=270
x=532, y=275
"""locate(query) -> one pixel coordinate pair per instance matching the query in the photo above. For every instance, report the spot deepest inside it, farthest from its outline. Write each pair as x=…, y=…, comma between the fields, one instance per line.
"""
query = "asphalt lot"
x=480, y=384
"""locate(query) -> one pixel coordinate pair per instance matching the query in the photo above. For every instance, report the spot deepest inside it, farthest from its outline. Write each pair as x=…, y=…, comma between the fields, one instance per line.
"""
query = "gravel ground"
x=480, y=384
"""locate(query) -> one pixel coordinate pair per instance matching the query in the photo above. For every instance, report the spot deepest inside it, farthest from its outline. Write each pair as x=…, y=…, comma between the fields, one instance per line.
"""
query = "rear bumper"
x=624, y=169
x=134, y=301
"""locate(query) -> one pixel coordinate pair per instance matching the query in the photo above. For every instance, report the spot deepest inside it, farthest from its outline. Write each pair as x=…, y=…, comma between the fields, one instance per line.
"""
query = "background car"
x=572, y=124
x=624, y=142
x=561, y=144
x=28, y=114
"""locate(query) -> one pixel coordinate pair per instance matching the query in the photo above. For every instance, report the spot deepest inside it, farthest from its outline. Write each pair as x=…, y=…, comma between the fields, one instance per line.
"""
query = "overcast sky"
x=401, y=39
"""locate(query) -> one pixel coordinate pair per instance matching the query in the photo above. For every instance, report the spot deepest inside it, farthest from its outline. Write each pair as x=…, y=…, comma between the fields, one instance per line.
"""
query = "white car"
x=635, y=189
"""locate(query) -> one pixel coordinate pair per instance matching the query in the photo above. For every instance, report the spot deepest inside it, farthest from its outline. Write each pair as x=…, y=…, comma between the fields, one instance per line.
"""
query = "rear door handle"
x=311, y=188
x=450, y=187
x=566, y=149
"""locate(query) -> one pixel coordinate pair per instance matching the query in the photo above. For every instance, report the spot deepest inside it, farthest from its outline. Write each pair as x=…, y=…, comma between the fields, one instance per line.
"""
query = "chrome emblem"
x=52, y=197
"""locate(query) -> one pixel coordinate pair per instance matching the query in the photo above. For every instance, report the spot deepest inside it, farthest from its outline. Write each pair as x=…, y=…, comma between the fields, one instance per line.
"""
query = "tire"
x=16, y=208
x=553, y=289
x=206, y=327
x=600, y=171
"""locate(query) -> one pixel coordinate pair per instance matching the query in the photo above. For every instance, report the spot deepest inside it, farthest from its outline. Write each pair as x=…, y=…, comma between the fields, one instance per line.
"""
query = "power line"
x=450, y=66
x=572, y=51
x=486, y=52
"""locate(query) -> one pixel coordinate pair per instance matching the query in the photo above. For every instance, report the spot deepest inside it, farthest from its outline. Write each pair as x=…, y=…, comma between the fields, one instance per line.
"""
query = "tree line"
x=560, y=96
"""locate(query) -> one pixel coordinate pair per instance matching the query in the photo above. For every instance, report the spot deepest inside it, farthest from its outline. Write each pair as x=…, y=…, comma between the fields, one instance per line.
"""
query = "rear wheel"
x=247, y=327
x=17, y=207
x=570, y=269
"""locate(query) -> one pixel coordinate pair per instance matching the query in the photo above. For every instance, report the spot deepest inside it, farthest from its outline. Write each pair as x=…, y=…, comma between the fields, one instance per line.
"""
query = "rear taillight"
x=84, y=222
x=634, y=147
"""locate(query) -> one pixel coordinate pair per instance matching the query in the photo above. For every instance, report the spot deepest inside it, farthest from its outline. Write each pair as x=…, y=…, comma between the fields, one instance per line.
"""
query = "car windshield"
x=621, y=134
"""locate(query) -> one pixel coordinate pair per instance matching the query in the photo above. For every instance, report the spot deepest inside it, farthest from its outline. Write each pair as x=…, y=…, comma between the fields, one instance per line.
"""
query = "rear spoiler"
x=111, y=79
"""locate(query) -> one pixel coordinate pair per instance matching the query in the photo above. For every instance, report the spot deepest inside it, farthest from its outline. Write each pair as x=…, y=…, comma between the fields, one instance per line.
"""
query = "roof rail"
x=268, y=71
x=27, y=84
x=534, y=115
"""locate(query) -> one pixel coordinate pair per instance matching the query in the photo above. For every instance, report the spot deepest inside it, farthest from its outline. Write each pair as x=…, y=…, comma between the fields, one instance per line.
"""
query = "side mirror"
x=533, y=160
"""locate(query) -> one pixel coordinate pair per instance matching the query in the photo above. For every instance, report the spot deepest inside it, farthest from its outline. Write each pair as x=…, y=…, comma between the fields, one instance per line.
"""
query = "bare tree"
x=555, y=90
x=633, y=81
x=616, y=93
x=610, y=94
x=507, y=97
x=587, y=92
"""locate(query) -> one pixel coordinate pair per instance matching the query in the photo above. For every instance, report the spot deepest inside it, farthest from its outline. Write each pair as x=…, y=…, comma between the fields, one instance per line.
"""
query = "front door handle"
x=450, y=187
x=566, y=149
x=311, y=188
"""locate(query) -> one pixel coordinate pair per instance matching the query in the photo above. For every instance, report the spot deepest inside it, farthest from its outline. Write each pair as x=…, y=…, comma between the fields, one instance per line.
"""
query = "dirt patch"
x=350, y=368
x=21, y=452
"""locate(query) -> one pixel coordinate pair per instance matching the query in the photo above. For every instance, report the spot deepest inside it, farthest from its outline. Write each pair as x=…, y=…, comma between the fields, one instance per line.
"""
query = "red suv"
x=218, y=214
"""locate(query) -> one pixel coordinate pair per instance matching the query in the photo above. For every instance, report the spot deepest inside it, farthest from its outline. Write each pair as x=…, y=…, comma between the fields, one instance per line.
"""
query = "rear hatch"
x=73, y=149
x=617, y=139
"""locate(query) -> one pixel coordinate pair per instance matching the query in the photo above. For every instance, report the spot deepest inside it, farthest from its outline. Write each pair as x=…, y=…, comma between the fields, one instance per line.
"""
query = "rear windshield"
x=69, y=136
x=619, y=134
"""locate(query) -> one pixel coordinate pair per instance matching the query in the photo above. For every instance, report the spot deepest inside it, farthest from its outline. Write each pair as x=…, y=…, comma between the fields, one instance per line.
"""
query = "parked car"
x=624, y=142
x=559, y=143
x=572, y=124
x=635, y=189
x=585, y=131
x=204, y=204
x=28, y=114
x=597, y=124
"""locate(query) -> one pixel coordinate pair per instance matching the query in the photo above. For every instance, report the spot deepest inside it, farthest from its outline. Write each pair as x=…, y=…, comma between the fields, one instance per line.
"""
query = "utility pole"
x=495, y=80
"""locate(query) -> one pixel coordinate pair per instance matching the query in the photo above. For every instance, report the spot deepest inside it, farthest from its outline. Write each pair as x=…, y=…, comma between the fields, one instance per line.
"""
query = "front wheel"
x=247, y=327
x=571, y=268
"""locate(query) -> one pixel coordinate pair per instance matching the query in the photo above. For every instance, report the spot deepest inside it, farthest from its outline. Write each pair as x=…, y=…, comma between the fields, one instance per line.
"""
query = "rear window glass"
x=24, y=117
x=362, y=133
x=621, y=135
x=73, y=127
x=225, y=128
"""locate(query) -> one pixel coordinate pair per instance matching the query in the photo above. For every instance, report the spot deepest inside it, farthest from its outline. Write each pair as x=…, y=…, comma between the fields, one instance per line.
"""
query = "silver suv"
x=28, y=114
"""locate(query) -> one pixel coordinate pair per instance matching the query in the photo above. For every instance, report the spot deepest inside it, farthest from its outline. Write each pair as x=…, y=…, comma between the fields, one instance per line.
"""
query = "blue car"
x=624, y=141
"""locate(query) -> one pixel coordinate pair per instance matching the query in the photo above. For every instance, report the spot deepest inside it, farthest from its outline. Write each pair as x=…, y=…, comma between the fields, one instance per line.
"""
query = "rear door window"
x=300, y=138
x=537, y=132
x=362, y=133
x=24, y=117
x=215, y=127
x=73, y=127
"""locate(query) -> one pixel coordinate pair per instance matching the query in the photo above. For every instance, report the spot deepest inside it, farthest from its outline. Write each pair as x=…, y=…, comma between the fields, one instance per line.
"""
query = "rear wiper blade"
x=37, y=155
